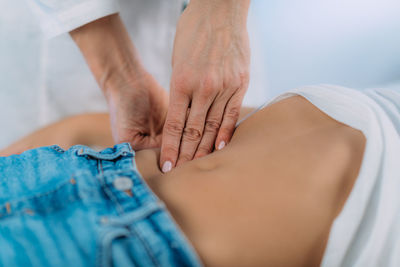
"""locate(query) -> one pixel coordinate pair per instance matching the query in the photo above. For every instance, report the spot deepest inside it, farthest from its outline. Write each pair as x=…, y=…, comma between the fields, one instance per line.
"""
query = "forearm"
x=108, y=50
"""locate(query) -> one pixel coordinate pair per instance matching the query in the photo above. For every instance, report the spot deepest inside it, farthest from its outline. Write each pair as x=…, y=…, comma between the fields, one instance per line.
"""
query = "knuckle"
x=232, y=82
x=181, y=83
x=244, y=74
x=244, y=77
x=238, y=80
x=210, y=84
x=212, y=126
x=173, y=128
x=233, y=113
x=192, y=134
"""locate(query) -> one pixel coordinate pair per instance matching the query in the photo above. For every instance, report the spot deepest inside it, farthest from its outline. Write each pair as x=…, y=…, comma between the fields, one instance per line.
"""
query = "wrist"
x=119, y=77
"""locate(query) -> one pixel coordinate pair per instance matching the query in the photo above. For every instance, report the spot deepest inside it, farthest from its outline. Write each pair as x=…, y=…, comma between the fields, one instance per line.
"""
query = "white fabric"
x=367, y=231
x=58, y=17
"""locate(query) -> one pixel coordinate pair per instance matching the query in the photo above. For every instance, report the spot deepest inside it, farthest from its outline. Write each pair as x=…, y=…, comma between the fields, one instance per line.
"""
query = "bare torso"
x=269, y=198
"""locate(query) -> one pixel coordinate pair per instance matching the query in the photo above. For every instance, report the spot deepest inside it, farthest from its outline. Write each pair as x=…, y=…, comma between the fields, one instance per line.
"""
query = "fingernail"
x=221, y=145
x=167, y=166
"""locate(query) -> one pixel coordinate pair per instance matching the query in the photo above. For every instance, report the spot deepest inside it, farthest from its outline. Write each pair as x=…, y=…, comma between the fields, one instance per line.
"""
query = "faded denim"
x=84, y=208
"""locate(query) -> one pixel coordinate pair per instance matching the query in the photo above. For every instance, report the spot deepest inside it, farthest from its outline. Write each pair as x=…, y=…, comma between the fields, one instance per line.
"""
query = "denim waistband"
x=115, y=218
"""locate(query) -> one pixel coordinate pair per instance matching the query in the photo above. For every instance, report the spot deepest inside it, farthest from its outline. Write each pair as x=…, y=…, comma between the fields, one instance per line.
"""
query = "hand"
x=137, y=111
x=209, y=80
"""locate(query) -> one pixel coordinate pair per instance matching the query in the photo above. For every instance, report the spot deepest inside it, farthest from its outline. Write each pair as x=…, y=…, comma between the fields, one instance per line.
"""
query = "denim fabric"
x=84, y=208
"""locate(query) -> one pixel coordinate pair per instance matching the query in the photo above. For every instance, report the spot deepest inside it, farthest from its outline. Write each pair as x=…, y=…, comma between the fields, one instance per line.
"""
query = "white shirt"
x=57, y=17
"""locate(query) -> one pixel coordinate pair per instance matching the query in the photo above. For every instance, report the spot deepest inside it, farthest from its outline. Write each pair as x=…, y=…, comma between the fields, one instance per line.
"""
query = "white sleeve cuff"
x=55, y=21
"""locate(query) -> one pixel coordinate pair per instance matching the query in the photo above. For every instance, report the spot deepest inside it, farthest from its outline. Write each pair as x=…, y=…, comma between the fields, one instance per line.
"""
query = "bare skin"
x=270, y=196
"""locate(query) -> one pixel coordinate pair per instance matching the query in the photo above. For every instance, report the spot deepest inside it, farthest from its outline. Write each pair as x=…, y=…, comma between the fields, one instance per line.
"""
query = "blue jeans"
x=84, y=208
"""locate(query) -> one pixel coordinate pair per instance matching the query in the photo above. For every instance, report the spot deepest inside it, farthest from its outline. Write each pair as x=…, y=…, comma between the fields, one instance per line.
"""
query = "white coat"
x=45, y=76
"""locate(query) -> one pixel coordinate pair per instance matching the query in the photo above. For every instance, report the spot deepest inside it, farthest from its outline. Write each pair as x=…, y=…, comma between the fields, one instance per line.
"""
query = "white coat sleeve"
x=61, y=16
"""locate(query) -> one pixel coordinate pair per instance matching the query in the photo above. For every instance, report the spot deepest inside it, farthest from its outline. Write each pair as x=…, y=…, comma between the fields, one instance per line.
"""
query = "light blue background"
x=354, y=43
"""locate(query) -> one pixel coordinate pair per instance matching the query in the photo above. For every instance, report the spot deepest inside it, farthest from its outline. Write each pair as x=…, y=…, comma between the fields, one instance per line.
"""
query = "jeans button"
x=123, y=183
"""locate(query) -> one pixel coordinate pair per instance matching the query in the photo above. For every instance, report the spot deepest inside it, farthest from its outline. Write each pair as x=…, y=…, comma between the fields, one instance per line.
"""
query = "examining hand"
x=209, y=79
x=137, y=112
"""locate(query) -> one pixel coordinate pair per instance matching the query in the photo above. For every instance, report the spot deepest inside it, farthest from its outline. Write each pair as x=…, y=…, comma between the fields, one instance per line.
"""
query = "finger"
x=230, y=117
x=172, y=132
x=211, y=128
x=193, y=132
